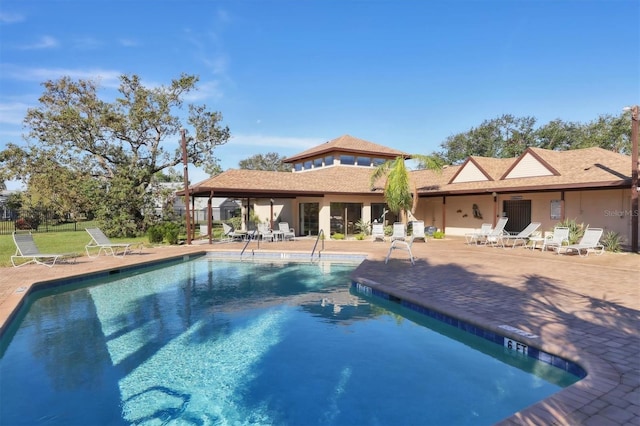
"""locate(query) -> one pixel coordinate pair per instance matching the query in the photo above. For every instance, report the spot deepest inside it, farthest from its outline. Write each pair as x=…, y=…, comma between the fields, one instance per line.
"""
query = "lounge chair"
x=288, y=233
x=265, y=233
x=399, y=232
x=377, y=232
x=559, y=238
x=478, y=235
x=493, y=237
x=590, y=242
x=520, y=237
x=26, y=249
x=401, y=245
x=230, y=234
x=101, y=242
x=417, y=232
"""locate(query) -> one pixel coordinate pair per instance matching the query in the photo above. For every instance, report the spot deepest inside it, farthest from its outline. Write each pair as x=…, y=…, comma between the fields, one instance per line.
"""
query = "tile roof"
x=348, y=143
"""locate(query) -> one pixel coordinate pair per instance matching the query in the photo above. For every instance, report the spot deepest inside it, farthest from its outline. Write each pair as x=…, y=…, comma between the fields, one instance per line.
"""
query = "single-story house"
x=329, y=189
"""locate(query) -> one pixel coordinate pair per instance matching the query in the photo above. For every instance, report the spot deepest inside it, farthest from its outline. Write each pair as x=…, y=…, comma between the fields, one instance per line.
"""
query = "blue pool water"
x=210, y=342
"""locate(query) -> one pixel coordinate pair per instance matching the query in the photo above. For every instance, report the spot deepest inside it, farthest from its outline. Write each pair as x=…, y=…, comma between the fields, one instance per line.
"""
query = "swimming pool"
x=224, y=342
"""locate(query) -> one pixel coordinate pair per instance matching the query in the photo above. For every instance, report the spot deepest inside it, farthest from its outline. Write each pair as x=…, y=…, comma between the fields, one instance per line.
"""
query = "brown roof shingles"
x=348, y=143
x=584, y=168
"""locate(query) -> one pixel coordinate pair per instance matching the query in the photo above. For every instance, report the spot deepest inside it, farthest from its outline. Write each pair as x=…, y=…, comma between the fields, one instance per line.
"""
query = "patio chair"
x=417, y=232
x=399, y=232
x=401, y=245
x=590, y=242
x=559, y=238
x=26, y=249
x=230, y=234
x=265, y=233
x=479, y=234
x=493, y=237
x=522, y=236
x=101, y=242
x=287, y=232
x=377, y=232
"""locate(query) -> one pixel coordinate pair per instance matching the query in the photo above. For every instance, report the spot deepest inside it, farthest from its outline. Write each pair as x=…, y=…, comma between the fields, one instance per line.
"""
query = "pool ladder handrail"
x=249, y=238
x=320, y=234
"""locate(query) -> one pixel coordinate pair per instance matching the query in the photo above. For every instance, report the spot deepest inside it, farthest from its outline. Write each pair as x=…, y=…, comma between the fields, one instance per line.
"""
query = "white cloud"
x=128, y=42
x=45, y=42
x=106, y=78
x=10, y=18
x=13, y=113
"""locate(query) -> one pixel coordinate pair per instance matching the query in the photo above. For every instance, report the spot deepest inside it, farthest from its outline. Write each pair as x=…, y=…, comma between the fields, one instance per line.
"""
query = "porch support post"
x=210, y=217
x=444, y=213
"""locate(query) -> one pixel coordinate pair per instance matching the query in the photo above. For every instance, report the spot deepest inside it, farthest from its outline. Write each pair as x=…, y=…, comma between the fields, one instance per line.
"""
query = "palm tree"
x=400, y=196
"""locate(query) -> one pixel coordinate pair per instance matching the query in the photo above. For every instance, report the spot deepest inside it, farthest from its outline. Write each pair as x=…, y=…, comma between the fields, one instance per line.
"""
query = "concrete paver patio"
x=586, y=310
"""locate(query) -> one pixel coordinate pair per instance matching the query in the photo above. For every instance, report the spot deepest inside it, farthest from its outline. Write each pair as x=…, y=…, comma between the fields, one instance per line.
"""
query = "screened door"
x=519, y=214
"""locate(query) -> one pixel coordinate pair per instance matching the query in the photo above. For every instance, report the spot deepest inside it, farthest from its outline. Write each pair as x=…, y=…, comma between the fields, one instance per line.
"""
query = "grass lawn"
x=56, y=242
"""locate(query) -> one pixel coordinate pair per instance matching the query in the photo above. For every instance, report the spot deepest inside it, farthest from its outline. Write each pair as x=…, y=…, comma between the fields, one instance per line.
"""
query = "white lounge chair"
x=494, y=236
x=417, y=232
x=401, y=245
x=377, y=232
x=101, y=242
x=559, y=238
x=265, y=233
x=399, y=232
x=479, y=234
x=230, y=234
x=288, y=233
x=26, y=249
x=590, y=242
x=522, y=236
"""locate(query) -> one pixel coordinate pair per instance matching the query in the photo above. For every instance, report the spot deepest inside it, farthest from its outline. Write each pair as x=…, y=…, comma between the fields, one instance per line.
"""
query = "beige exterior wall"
x=607, y=209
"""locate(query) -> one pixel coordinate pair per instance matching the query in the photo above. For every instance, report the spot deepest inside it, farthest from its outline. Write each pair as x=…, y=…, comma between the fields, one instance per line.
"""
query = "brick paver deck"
x=586, y=310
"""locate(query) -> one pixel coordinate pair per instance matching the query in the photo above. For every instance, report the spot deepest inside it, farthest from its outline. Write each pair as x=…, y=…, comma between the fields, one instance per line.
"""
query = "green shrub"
x=438, y=235
x=155, y=234
x=612, y=241
x=364, y=227
x=338, y=236
x=235, y=222
x=360, y=236
x=171, y=231
x=576, y=231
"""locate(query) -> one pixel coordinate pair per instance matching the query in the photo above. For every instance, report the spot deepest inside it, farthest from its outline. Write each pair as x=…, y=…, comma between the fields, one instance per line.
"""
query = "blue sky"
x=288, y=75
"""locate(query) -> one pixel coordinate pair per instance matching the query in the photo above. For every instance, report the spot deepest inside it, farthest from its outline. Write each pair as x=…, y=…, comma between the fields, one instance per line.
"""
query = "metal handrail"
x=320, y=234
x=249, y=238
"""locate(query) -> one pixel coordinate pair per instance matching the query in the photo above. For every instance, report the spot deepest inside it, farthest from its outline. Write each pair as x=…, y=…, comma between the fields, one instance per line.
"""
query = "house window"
x=307, y=165
x=378, y=161
x=347, y=159
x=317, y=162
x=298, y=167
x=328, y=160
x=364, y=161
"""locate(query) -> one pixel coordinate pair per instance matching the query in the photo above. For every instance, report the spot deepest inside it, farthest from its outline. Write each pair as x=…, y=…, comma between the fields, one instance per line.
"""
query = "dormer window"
x=364, y=161
x=347, y=159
